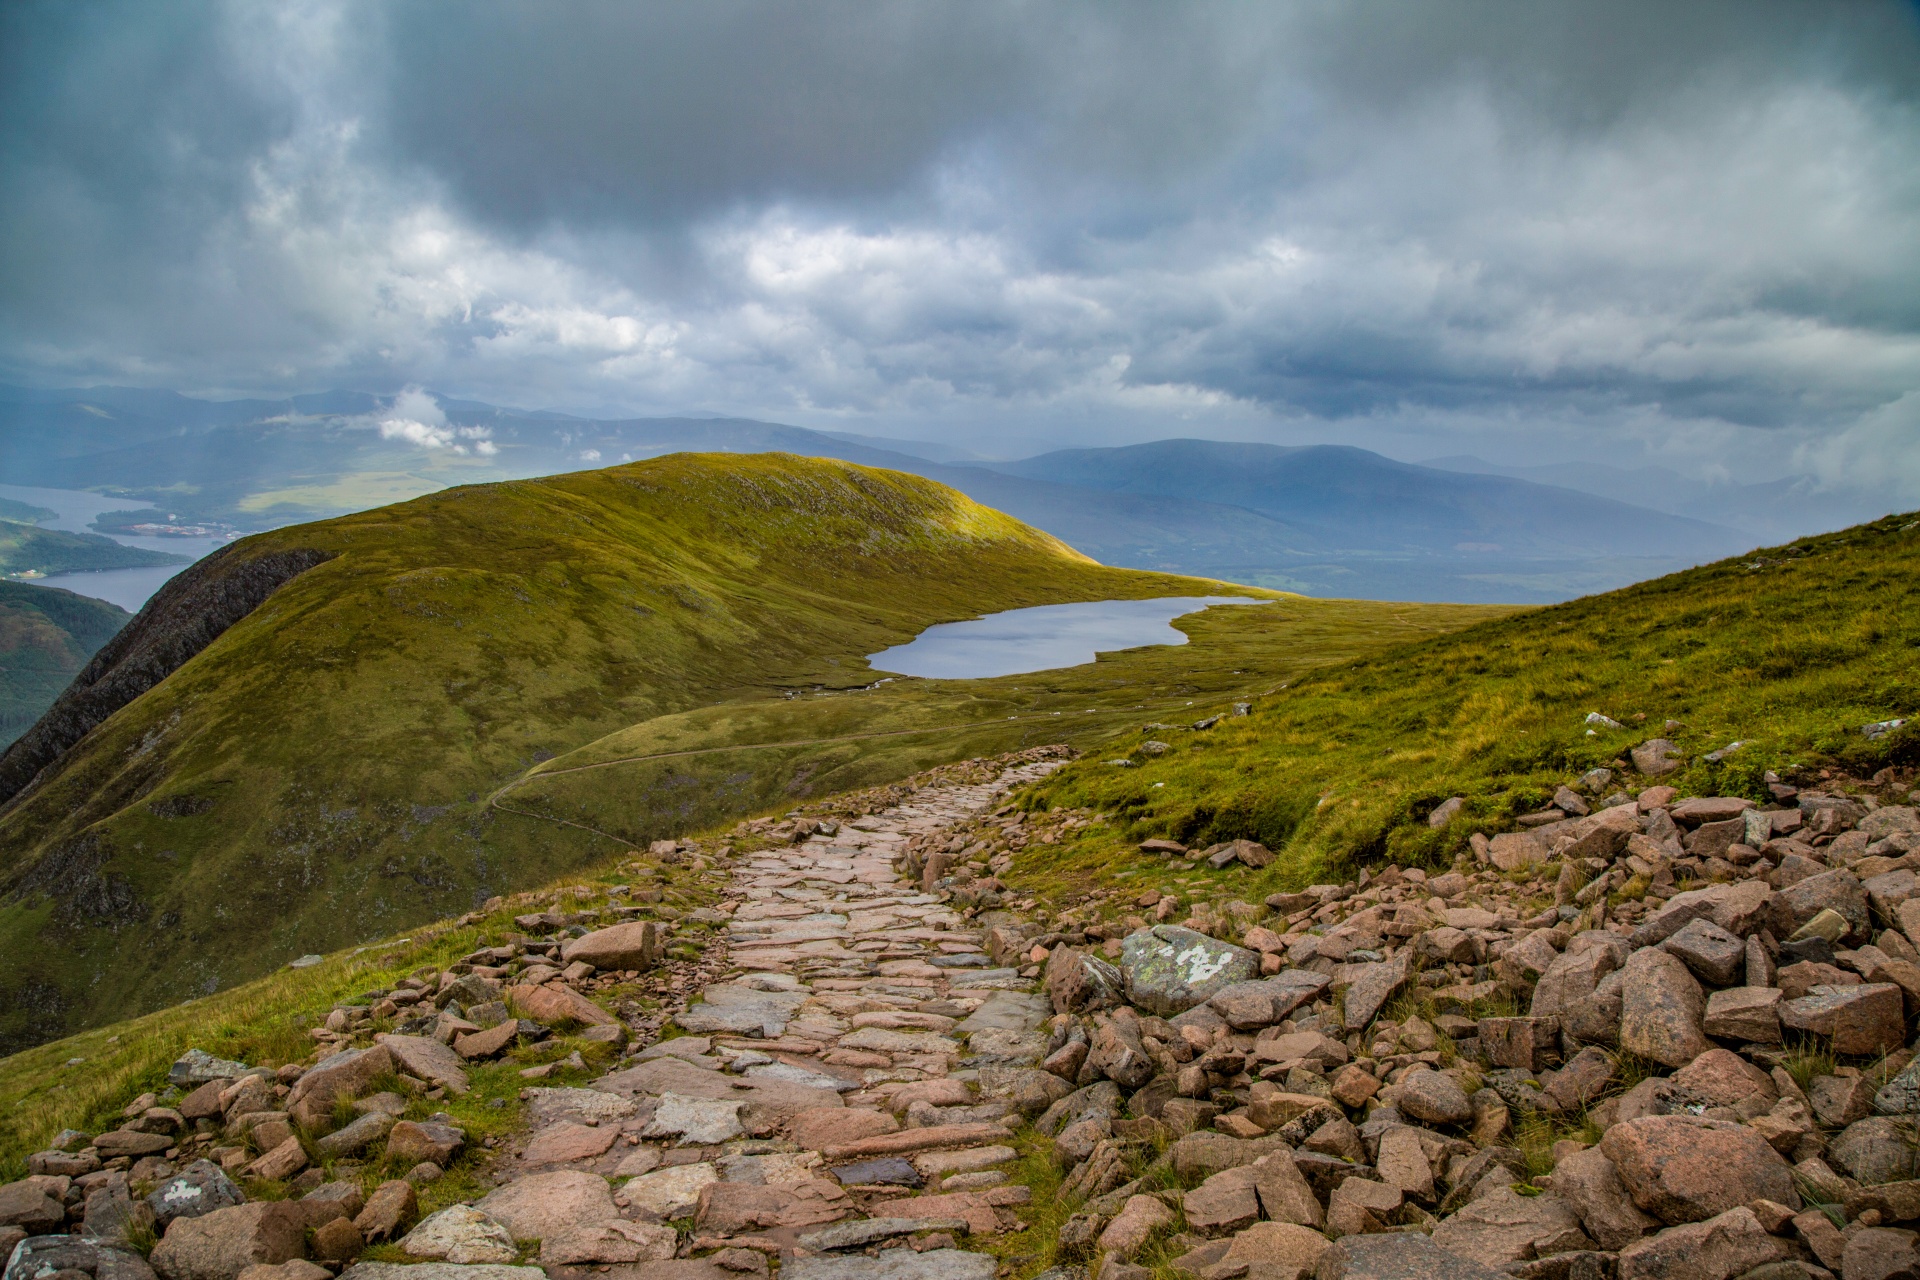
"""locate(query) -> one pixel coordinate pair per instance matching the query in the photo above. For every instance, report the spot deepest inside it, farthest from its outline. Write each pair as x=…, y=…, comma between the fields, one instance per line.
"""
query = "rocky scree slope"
x=1666, y=1037
x=291, y=748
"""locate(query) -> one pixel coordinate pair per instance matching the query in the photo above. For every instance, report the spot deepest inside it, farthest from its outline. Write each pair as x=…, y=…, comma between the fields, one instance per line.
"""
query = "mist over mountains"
x=1325, y=520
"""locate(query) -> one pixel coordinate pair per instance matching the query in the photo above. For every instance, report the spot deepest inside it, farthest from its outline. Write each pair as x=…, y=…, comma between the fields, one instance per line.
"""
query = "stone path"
x=843, y=1101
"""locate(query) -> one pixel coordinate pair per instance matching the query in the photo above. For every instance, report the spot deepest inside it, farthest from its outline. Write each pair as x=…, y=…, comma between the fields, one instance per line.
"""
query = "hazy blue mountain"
x=1772, y=510
x=1356, y=500
x=1322, y=520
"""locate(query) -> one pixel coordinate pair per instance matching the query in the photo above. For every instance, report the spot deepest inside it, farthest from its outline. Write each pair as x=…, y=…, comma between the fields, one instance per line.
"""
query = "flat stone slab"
x=791, y=1074
x=893, y=1264
x=741, y=1009
x=663, y=1075
x=865, y=1231
x=1008, y=1011
x=698, y=1121
x=439, y=1271
x=427, y=1059
x=896, y=1171
x=669, y=1193
x=588, y=1104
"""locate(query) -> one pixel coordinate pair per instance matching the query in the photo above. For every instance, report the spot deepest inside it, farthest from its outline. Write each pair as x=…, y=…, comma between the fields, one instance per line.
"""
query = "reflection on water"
x=1042, y=638
x=128, y=588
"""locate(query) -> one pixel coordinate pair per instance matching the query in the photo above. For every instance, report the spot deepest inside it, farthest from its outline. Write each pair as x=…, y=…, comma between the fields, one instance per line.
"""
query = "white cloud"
x=416, y=417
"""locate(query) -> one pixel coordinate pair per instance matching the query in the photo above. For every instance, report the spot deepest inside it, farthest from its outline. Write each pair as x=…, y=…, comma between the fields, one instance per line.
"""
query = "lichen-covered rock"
x=1169, y=969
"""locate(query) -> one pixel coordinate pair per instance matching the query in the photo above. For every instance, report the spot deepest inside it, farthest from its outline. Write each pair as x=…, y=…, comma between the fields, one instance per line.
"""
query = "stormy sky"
x=1678, y=234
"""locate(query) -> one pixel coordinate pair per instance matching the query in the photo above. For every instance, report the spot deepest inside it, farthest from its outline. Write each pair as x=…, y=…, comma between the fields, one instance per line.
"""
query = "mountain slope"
x=1771, y=661
x=300, y=757
x=46, y=636
x=1359, y=500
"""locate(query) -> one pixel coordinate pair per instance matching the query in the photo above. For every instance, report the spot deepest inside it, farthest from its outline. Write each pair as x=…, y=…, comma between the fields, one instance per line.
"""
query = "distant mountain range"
x=1773, y=510
x=1324, y=520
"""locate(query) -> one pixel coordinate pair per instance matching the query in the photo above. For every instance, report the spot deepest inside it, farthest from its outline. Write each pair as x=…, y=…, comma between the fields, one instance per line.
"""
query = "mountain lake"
x=1042, y=638
x=128, y=588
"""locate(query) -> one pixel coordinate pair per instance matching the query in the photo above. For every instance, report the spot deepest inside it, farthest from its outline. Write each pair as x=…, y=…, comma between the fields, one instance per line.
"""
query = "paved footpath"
x=841, y=1102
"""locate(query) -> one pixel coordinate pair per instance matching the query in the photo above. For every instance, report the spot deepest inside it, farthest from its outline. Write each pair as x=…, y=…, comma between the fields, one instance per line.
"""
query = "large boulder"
x=1747, y=1014
x=1250, y=1005
x=1729, y=1244
x=343, y=1075
x=1722, y=1078
x=1715, y=956
x=1076, y=980
x=1837, y=890
x=1684, y=1169
x=222, y=1244
x=28, y=1206
x=1588, y=1181
x=1169, y=969
x=463, y=1235
x=1504, y=1227
x=1859, y=1019
x=1877, y=1149
x=1371, y=986
x=543, y=1204
x=1575, y=972
x=427, y=1059
x=1127, y=1234
x=1434, y=1097
x=633, y=945
x=1661, y=1009
x=198, y=1189
x=70, y=1256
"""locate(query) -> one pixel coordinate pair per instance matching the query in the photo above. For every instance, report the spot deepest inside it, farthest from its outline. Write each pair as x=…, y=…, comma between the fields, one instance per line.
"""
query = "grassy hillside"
x=1788, y=650
x=681, y=771
x=46, y=636
x=320, y=773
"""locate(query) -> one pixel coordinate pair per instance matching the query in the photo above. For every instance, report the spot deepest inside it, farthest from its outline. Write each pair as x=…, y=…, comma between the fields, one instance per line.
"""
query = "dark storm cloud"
x=1636, y=227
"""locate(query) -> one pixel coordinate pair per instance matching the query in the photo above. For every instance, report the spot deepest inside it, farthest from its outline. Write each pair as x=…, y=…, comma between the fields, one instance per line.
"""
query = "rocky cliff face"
x=187, y=615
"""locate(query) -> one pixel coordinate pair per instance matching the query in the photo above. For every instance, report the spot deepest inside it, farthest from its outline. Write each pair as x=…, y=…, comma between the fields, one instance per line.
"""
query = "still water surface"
x=1042, y=638
x=128, y=588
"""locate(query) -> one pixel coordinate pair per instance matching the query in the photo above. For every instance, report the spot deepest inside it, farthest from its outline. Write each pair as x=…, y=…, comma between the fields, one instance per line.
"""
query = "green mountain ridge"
x=46, y=637
x=318, y=772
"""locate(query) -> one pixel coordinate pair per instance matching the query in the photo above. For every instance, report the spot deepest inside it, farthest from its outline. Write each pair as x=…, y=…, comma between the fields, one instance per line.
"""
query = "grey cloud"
x=1558, y=226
